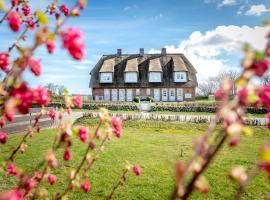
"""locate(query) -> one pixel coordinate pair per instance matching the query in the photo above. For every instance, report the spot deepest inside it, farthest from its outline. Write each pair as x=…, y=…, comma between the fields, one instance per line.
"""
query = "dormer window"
x=155, y=71
x=180, y=77
x=106, y=71
x=106, y=77
x=131, y=71
x=180, y=70
x=155, y=77
x=131, y=77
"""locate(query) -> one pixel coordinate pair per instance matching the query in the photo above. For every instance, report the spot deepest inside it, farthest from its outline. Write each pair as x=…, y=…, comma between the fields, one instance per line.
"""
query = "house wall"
x=98, y=93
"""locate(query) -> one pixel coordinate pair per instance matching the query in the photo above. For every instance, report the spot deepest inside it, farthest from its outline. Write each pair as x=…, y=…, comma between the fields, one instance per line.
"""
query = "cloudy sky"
x=209, y=32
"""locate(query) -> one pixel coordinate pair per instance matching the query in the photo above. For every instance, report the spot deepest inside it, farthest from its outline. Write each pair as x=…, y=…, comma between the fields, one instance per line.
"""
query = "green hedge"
x=174, y=107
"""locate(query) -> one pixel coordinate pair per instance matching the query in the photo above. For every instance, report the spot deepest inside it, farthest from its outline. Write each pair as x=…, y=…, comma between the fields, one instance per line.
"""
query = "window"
x=138, y=92
x=172, y=93
x=155, y=77
x=148, y=92
x=188, y=95
x=164, y=93
x=105, y=77
x=131, y=77
x=180, y=77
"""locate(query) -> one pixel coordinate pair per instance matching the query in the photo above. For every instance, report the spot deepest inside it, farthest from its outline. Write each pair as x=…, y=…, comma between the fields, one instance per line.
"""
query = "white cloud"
x=257, y=10
x=209, y=52
x=227, y=3
x=127, y=8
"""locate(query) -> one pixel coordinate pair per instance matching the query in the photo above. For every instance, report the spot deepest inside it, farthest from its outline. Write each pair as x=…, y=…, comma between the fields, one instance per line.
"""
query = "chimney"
x=119, y=52
x=141, y=51
x=163, y=51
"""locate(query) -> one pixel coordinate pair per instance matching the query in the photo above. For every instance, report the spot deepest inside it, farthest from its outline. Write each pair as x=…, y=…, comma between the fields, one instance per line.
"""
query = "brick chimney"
x=141, y=51
x=119, y=52
x=164, y=51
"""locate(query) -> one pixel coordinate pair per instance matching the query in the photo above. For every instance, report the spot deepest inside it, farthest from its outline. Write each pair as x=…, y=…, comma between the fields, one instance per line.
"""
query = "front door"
x=114, y=95
x=172, y=94
x=164, y=94
x=157, y=94
x=122, y=95
x=129, y=95
x=180, y=94
x=107, y=94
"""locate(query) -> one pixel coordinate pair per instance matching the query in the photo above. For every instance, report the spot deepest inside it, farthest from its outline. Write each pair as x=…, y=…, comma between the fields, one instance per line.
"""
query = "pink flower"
x=2, y=122
x=268, y=119
x=137, y=170
x=42, y=96
x=30, y=24
x=72, y=41
x=78, y=101
x=260, y=67
x=4, y=62
x=220, y=94
x=60, y=116
x=53, y=163
x=14, y=194
x=52, y=179
x=85, y=186
x=29, y=184
x=14, y=21
x=14, y=2
x=26, y=10
x=117, y=125
x=52, y=113
x=264, y=96
x=67, y=155
x=25, y=97
x=11, y=169
x=35, y=66
x=3, y=137
x=82, y=4
x=92, y=145
x=50, y=46
x=64, y=9
x=83, y=133
x=243, y=96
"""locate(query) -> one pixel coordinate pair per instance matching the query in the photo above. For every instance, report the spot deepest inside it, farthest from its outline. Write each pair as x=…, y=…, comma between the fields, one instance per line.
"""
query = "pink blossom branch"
x=121, y=181
x=6, y=14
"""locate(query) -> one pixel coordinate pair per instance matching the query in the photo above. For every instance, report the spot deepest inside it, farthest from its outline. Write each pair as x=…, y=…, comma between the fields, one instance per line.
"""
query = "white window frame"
x=138, y=92
x=131, y=77
x=188, y=96
x=180, y=77
x=148, y=91
x=122, y=94
x=129, y=94
x=105, y=77
x=165, y=97
x=114, y=97
x=172, y=94
x=155, y=77
x=180, y=94
x=107, y=94
x=157, y=94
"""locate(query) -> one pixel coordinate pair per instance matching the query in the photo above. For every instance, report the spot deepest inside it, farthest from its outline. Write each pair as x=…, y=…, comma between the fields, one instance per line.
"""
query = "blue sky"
x=209, y=32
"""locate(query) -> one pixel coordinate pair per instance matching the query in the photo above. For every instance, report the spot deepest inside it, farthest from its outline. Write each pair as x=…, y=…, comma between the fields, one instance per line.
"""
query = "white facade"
x=131, y=77
x=180, y=77
x=155, y=77
x=138, y=92
x=106, y=77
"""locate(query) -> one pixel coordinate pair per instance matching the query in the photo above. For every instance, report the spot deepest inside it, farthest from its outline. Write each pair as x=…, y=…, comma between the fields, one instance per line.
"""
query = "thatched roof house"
x=165, y=77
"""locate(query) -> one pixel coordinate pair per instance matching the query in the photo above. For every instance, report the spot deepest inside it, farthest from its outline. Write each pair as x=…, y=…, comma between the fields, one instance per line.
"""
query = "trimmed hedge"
x=173, y=107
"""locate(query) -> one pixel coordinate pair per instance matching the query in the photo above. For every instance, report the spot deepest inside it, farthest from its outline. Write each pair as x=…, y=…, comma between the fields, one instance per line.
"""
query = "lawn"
x=155, y=146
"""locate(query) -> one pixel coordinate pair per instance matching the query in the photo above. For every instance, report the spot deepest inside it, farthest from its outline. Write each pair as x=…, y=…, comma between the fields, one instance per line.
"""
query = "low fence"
x=180, y=118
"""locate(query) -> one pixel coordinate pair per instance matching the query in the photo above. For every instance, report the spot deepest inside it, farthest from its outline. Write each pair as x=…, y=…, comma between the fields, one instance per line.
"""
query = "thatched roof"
x=107, y=66
x=155, y=65
x=143, y=64
x=178, y=64
x=132, y=65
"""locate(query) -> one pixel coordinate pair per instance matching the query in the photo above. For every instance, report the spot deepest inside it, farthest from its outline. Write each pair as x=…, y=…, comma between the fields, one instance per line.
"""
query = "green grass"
x=155, y=146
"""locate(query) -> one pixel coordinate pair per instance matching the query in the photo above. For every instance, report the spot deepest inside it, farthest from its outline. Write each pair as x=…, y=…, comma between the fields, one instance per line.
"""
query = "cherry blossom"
x=14, y=21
